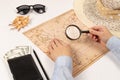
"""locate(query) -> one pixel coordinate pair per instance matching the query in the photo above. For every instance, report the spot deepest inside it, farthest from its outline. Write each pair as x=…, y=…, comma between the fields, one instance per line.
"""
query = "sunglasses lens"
x=39, y=8
x=24, y=9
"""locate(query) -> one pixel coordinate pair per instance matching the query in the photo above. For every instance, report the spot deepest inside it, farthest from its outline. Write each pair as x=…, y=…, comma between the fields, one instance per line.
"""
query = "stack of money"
x=17, y=52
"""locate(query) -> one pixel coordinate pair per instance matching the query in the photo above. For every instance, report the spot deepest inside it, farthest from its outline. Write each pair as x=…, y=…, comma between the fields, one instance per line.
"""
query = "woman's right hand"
x=100, y=34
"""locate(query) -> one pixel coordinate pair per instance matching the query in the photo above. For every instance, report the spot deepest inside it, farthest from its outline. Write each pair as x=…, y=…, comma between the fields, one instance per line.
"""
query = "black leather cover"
x=24, y=68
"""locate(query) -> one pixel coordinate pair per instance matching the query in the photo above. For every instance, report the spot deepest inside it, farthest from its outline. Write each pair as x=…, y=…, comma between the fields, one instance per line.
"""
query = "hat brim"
x=93, y=20
x=78, y=8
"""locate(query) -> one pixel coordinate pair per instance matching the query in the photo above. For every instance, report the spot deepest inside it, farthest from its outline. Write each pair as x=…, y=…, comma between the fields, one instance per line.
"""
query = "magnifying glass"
x=73, y=32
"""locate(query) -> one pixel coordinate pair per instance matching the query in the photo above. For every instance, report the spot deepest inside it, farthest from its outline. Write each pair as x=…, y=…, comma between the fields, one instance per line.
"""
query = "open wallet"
x=23, y=66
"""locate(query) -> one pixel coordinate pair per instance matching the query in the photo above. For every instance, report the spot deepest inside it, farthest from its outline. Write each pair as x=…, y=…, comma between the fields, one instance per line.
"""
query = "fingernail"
x=88, y=34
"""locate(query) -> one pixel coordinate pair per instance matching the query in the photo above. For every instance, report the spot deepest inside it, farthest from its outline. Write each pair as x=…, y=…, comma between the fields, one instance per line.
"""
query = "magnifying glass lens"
x=72, y=32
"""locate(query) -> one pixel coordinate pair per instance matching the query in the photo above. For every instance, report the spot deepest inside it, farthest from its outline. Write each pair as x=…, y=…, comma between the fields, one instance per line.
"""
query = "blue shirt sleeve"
x=63, y=65
x=63, y=68
x=113, y=44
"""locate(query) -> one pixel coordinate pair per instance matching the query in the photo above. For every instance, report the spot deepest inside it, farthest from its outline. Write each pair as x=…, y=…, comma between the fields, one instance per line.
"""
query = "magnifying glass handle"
x=87, y=31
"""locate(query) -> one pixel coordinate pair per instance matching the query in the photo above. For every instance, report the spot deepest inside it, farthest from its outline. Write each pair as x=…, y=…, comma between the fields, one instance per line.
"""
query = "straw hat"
x=99, y=12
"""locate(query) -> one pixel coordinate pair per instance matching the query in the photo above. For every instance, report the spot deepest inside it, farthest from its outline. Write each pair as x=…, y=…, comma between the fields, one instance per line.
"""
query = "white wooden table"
x=107, y=68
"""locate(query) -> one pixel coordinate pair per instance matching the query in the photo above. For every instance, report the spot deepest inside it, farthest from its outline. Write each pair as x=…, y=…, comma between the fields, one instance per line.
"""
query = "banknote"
x=27, y=49
x=17, y=52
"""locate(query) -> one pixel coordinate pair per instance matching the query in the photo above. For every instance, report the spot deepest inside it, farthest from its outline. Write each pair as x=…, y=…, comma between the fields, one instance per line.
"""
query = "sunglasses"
x=24, y=9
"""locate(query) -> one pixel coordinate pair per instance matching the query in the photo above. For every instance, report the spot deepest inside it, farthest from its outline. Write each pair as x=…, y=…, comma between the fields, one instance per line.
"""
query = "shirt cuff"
x=64, y=61
x=113, y=43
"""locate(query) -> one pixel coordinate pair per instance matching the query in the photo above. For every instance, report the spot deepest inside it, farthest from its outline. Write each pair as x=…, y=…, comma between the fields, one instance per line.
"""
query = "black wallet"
x=24, y=68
